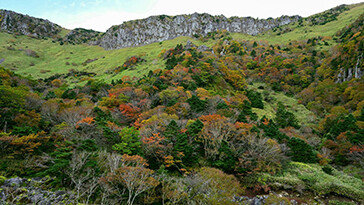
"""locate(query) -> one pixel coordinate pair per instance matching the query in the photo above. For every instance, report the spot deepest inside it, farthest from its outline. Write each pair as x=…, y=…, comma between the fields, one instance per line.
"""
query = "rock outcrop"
x=81, y=35
x=13, y=22
x=350, y=73
x=32, y=191
x=35, y=191
x=155, y=28
x=160, y=28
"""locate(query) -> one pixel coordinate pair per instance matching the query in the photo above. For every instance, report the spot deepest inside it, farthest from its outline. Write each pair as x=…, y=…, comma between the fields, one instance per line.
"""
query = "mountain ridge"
x=13, y=22
x=159, y=28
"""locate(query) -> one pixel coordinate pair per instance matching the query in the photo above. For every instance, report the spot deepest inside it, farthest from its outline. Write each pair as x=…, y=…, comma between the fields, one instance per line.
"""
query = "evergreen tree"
x=196, y=104
x=253, y=53
x=180, y=143
x=285, y=118
x=300, y=151
x=130, y=141
x=255, y=98
x=271, y=130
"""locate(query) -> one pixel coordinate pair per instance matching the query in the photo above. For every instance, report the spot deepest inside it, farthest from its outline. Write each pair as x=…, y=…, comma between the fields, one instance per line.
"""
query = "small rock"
x=59, y=193
x=285, y=194
x=189, y=45
x=204, y=48
x=15, y=182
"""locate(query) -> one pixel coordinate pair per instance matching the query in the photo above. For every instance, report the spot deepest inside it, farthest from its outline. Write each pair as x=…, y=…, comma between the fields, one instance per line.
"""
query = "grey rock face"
x=14, y=182
x=261, y=200
x=13, y=22
x=350, y=73
x=160, y=28
x=143, y=31
x=204, y=48
x=32, y=191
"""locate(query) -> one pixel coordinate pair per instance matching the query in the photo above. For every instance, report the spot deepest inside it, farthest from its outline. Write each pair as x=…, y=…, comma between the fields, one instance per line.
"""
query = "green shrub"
x=271, y=130
x=301, y=151
x=274, y=199
x=255, y=99
x=196, y=104
x=311, y=177
x=69, y=94
x=226, y=159
x=214, y=187
x=246, y=110
x=129, y=141
x=2, y=180
x=222, y=105
x=337, y=202
x=285, y=118
x=327, y=169
x=333, y=128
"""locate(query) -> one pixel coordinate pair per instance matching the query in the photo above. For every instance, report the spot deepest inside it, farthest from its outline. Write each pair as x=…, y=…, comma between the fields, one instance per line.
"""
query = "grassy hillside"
x=307, y=31
x=51, y=58
x=271, y=99
x=314, y=178
x=193, y=131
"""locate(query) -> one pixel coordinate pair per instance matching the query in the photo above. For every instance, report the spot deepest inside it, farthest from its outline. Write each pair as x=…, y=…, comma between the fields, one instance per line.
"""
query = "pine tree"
x=285, y=118
x=300, y=151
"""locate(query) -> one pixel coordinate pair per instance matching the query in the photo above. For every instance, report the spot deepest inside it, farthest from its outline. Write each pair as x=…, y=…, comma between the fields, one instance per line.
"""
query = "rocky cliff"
x=13, y=22
x=155, y=28
x=348, y=60
x=140, y=32
x=160, y=28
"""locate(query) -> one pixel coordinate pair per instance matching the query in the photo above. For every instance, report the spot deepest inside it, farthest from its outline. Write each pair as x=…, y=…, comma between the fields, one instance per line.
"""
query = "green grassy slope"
x=55, y=58
x=306, y=32
x=313, y=178
x=271, y=99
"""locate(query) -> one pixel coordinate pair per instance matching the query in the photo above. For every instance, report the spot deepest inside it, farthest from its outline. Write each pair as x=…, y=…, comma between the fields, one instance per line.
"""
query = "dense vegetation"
x=208, y=127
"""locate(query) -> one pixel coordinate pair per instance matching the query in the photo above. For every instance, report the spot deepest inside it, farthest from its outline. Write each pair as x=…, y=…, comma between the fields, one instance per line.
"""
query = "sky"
x=102, y=14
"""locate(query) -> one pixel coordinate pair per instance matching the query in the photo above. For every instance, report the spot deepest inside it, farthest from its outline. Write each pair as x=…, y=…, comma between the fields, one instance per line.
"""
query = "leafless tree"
x=83, y=178
x=173, y=189
x=326, y=153
x=197, y=189
x=133, y=176
x=261, y=153
x=33, y=101
x=49, y=111
x=74, y=114
x=109, y=162
x=213, y=134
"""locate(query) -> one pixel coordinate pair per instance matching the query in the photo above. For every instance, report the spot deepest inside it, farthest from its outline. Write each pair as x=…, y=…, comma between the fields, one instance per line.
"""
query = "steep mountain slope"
x=305, y=29
x=54, y=58
x=210, y=119
x=199, y=118
x=16, y=23
x=160, y=28
x=348, y=62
